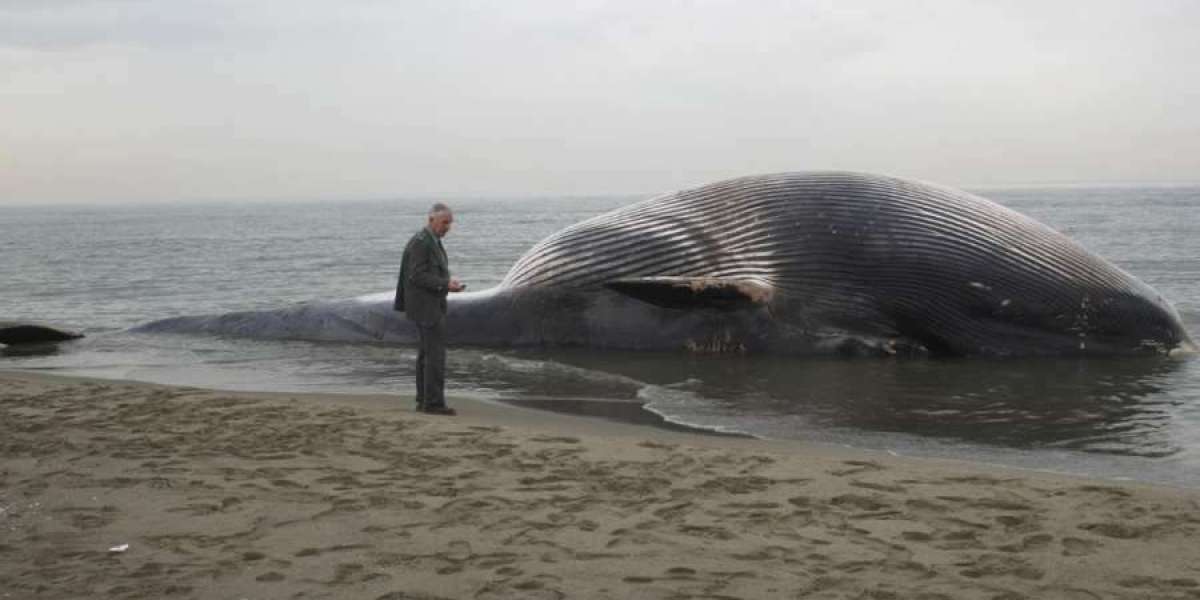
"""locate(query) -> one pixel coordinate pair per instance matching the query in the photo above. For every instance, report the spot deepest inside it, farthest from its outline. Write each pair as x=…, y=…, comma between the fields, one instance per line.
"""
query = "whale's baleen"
x=15, y=333
x=786, y=263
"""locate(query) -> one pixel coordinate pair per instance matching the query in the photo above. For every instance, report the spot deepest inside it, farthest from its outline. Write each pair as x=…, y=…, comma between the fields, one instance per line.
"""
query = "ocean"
x=102, y=270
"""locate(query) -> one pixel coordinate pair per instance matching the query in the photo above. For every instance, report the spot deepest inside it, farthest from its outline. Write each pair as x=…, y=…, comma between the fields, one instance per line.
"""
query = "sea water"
x=105, y=269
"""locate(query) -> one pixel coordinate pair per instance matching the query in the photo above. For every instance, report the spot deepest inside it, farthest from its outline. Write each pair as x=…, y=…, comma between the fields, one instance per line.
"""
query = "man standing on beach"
x=421, y=294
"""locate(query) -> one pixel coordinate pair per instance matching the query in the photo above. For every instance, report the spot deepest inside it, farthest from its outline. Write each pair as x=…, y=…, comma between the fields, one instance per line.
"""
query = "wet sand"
x=250, y=495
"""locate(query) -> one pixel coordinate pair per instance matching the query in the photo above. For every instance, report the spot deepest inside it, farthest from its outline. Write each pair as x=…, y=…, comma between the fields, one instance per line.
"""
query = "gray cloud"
x=57, y=25
x=130, y=100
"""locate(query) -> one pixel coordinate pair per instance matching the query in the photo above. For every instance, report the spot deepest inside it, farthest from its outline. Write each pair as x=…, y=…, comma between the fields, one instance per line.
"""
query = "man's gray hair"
x=438, y=208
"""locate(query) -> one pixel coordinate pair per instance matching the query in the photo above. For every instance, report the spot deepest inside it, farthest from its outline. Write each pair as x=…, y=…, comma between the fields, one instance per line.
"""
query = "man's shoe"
x=439, y=410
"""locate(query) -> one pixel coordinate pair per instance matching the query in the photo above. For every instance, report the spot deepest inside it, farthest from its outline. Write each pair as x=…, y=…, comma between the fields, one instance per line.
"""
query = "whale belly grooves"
x=891, y=262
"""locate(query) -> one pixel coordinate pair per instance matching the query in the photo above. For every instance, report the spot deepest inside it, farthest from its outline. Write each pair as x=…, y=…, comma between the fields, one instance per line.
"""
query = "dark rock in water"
x=13, y=333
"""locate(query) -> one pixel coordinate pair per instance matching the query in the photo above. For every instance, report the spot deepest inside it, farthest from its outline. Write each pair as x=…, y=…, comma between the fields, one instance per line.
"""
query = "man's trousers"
x=431, y=364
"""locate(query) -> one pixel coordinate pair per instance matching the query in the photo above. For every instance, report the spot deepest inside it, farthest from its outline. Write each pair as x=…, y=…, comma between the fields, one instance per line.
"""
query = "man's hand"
x=456, y=286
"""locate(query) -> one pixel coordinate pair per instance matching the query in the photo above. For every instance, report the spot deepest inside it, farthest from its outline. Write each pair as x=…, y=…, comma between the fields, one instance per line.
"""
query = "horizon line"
x=435, y=196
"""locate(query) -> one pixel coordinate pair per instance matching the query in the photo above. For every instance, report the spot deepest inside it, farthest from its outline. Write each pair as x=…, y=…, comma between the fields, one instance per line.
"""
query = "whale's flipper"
x=695, y=292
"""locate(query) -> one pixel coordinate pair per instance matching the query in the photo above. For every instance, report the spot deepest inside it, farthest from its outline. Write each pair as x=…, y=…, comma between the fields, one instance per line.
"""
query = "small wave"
x=679, y=406
x=557, y=370
x=1191, y=320
x=686, y=384
x=375, y=298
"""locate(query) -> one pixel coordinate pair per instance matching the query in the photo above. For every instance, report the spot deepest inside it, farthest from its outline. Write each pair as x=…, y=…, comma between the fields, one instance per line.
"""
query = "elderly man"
x=421, y=294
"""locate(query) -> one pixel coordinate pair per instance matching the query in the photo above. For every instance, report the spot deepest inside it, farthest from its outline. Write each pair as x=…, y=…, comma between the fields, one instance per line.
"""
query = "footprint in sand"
x=631, y=537
x=538, y=587
x=337, y=548
x=674, y=511
x=916, y=536
x=549, y=483
x=738, y=485
x=459, y=550
x=854, y=467
x=1013, y=505
x=860, y=506
x=1002, y=566
x=976, y=480
x=766, y=553
x=90, y=518
x=1038, y=541
x=657, y=445
x=409, y=596
x=461, y=433
x=800, y=501
x=348, y=573
x=544, y=439
x=926, y=506
x=1016, y=522
x=878, y=487
x=1078, y=547
x=1159, y=584
x=1120, y=531
x=344, y=481
x=708, y=532
x=752, y=505
x=1104, y=490
x=961, y=539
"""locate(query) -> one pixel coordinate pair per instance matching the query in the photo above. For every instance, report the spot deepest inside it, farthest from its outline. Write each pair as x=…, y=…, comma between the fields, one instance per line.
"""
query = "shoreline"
x=635, y=415
x=272, y=494
x=635, y=421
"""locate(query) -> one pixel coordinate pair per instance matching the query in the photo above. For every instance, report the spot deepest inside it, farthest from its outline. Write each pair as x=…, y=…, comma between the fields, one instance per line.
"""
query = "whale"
x=820, y=263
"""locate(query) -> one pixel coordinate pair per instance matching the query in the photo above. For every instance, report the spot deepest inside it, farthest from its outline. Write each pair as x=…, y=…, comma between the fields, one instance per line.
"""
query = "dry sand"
x=236, y=495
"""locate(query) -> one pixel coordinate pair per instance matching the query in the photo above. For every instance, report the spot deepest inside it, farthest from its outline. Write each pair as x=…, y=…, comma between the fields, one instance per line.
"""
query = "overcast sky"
x=145, y=100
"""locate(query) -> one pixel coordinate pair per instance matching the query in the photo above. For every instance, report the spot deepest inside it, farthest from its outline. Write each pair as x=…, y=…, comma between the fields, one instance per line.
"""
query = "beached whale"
x=801, y=263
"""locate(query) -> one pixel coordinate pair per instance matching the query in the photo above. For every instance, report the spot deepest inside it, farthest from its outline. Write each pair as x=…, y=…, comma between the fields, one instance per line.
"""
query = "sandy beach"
x=127, y=490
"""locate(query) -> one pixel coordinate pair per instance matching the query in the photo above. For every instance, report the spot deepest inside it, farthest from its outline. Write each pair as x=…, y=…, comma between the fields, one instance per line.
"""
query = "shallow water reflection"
x=1117, y=418
x=25, y=350
x=1119, y=406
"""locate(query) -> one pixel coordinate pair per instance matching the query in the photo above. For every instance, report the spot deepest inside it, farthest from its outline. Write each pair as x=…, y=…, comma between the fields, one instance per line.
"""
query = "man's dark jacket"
x=424, y=279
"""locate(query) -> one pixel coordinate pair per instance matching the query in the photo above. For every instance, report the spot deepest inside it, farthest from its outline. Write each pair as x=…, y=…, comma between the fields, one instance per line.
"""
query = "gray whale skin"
x=791, y=263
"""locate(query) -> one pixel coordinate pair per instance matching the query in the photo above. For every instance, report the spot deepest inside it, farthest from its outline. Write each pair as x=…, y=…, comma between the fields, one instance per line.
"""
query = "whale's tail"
x=475, y=317
x=346, y=320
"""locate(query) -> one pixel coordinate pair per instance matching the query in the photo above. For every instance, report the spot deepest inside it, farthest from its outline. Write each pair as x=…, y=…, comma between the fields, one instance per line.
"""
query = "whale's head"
x=1140, y=322
x=1133, y=320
